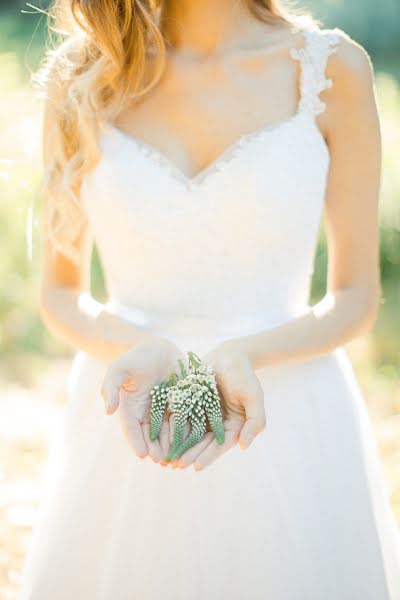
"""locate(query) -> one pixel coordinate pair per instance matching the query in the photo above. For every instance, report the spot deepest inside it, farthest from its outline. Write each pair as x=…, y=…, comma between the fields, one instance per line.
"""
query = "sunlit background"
x=34, y=365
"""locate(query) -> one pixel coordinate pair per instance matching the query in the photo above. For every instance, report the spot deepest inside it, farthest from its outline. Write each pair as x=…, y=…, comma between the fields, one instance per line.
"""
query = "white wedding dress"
x=303, y=514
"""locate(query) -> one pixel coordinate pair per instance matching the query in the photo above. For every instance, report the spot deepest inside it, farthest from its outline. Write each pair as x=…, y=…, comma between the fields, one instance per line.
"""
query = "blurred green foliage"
x=375, y=25
x=24, y=343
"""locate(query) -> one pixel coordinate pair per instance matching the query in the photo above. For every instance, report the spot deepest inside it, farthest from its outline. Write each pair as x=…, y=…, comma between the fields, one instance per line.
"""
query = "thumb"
x=113, y=382
x=249, y=431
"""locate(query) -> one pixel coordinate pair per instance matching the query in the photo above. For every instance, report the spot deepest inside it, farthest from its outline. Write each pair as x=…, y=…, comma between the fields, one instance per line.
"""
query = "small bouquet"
x=191, y=395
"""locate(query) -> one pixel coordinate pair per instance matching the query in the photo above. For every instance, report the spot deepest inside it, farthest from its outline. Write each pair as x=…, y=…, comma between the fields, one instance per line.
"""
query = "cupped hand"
x=126, y=387
x=242, y=403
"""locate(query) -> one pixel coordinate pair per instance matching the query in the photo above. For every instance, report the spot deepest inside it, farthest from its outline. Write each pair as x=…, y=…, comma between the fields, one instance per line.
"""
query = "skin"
x=221, y=80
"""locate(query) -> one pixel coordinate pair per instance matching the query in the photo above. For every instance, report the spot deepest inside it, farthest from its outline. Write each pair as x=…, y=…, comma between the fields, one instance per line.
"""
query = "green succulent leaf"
x=192, y=396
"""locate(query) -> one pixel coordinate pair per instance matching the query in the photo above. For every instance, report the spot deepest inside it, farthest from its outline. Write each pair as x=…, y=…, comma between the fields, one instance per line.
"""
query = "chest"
x=198, y=110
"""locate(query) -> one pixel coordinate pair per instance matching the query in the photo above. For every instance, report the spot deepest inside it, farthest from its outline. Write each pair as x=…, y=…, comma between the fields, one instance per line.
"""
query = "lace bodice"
x=238, y=238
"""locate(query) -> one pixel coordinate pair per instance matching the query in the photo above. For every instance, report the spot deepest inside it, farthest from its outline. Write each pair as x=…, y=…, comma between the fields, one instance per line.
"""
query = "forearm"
x=330, y=323
x=86, y=324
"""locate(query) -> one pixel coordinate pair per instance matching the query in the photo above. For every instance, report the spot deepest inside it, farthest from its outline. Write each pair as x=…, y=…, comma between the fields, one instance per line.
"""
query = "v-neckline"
x=216, y=165
x=190, y=182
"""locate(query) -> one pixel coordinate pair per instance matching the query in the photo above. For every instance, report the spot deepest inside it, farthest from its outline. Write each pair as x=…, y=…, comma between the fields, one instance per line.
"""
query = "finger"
x=232, y=426
x=255, y=424
x=154, y=447
x=215, y=450
x=110, y=392
x=128, y=384
x=113, y=382
x=190, y=455
x=133, y=432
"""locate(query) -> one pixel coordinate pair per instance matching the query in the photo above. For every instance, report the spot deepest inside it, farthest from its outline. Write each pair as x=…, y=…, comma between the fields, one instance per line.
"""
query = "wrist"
x=246, y=346
x=168, y=349
x=148, y=338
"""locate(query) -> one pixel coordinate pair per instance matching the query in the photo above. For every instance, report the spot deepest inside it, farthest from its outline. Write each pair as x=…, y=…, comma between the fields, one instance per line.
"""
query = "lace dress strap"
x=313, y=57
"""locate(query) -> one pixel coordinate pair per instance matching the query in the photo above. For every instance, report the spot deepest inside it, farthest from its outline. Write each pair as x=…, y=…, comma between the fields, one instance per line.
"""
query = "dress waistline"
x=203, y=326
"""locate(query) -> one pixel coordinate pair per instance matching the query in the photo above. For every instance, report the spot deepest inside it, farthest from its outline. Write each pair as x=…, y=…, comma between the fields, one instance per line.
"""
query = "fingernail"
x=110, y=407
x=129, y=385
x=129, y=388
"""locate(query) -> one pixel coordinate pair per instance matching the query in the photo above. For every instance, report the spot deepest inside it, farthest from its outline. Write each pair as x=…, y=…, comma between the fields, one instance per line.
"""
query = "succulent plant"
x=192, y=396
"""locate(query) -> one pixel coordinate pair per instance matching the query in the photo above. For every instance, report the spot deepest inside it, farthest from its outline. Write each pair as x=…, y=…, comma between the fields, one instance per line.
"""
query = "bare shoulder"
x=351, y=101
x=349, y=65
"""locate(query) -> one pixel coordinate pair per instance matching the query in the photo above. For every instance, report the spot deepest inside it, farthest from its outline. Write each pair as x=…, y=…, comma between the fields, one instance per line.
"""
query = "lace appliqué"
x=313, y=58
x=233, y=152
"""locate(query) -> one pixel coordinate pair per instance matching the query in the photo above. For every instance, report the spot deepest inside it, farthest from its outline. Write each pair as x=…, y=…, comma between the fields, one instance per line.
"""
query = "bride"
x=199, y=145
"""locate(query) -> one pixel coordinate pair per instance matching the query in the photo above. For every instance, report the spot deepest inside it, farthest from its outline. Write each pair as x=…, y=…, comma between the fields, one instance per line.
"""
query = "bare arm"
x=351, y=302
x=66, y=304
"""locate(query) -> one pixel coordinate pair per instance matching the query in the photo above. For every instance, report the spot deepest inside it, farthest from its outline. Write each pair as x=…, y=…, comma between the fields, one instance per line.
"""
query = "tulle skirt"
x=302, y=514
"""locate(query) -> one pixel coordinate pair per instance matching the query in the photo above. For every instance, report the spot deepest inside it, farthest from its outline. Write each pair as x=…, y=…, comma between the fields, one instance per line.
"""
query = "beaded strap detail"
x=319, y=44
